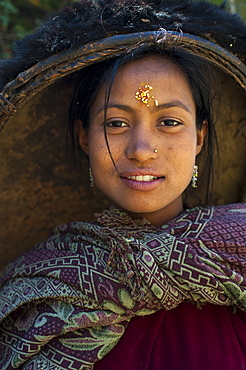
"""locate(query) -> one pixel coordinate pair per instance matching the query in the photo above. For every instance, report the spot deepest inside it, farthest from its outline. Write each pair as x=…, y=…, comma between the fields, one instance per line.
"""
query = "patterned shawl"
x=66, y=303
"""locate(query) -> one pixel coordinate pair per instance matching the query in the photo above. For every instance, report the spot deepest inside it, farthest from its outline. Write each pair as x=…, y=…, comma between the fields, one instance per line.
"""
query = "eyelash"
x=177, y=123
x=110, y=124
x=172, y=121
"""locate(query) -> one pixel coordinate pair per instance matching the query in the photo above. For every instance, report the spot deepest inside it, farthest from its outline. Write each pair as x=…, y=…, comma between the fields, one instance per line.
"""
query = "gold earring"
x=92, y=183
x=194, y=177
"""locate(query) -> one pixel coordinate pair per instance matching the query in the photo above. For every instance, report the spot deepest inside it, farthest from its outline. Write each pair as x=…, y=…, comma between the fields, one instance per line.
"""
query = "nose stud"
x=156, y=151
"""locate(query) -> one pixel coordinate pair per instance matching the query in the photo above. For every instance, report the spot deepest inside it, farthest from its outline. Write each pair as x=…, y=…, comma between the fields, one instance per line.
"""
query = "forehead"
x=150, y=66
x=164, y=76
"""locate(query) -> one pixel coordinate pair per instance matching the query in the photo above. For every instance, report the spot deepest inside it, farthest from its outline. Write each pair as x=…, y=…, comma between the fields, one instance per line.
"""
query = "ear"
x=201, y=134
x=82, y=134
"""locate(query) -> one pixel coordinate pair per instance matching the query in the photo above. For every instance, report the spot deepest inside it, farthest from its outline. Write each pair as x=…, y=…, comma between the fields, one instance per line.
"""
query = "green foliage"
x=7, y=10
x=20, y=17
x=237, y=6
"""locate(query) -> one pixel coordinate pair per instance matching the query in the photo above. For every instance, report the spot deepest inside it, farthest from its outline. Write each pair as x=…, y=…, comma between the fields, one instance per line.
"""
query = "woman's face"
x=153, y=145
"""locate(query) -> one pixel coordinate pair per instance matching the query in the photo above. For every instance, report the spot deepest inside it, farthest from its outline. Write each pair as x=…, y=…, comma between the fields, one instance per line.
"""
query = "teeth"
x=145, y=178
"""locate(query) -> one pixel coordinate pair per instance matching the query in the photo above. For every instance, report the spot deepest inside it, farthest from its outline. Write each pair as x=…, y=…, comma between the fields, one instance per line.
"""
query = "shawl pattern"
x=66, y=303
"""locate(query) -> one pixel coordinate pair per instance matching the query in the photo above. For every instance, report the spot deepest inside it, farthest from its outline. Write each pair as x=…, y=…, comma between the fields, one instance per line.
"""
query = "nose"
x=142, y=146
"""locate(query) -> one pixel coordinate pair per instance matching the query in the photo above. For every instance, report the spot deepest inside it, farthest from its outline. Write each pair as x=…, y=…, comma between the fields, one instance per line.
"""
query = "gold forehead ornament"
x=143, y=94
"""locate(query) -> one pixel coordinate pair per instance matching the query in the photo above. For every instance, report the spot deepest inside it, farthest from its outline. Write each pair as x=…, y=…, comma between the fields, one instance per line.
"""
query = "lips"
x=142, y=180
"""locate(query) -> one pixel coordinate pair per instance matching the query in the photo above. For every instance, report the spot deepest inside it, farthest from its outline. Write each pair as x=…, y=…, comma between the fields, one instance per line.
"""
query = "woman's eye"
x=116, y=124
x=170, y=122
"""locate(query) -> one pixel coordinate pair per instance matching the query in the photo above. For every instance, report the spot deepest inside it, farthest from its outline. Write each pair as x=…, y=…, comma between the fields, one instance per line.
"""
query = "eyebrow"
x=171, y=104
x=118, y=106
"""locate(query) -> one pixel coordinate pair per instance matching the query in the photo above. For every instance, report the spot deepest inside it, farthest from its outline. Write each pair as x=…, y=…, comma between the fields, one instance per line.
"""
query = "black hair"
x=198, y=72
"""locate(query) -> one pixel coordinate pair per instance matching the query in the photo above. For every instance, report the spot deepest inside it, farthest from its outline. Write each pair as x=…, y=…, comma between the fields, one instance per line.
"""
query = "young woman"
x=151, y=283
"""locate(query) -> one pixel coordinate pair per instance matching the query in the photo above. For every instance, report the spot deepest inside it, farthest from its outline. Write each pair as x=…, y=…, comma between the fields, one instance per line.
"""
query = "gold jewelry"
x=194, y=177
x=143, y=94
x=156, y=151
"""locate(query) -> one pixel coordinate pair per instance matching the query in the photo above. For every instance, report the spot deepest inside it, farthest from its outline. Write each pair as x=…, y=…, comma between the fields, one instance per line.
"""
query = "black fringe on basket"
x=89, y=20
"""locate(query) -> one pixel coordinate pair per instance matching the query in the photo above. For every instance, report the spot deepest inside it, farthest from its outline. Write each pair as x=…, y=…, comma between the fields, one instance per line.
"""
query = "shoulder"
x=229, y=210
x=229, y=219
x=227, y=223
x=236, y=210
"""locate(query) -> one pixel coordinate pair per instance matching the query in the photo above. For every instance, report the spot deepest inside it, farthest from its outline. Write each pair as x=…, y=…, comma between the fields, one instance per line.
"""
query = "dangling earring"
x=92, y=183
x=194, y=177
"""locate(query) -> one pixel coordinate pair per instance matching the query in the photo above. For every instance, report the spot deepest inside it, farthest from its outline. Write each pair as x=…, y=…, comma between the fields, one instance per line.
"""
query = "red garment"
x=184, y=338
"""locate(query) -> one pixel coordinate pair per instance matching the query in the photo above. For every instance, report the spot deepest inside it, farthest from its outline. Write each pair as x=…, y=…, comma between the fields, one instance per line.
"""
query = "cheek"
x=99, y=157
x=97, y=146
x=181, y=155
x=183, y=147
x=96, y=143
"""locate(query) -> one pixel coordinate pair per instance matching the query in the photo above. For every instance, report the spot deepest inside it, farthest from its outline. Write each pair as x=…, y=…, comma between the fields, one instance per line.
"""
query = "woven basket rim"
x=41, y=75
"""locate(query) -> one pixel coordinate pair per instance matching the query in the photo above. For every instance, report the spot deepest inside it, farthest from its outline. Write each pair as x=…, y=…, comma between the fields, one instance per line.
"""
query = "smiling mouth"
x=142, y=178
x=142, y=182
